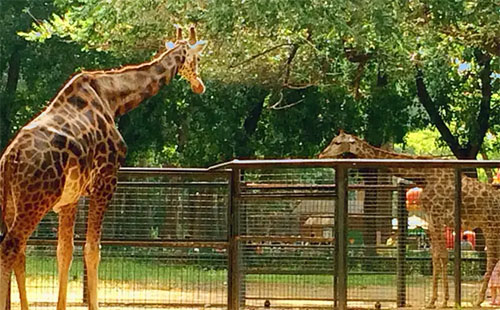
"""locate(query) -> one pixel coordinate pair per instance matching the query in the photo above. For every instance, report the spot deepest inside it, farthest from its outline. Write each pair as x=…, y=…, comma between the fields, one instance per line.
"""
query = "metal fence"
x=284, y=234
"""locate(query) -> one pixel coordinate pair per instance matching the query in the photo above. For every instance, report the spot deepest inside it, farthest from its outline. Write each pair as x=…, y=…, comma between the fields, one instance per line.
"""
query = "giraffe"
x=73, y=149
x=480, y=203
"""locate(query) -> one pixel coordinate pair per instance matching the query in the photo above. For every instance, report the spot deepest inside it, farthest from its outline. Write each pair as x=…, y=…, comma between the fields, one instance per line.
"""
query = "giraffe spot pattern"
x=78, y=102
x=59, y=141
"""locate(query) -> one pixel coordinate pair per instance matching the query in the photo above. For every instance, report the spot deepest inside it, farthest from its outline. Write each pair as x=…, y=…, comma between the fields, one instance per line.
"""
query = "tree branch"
x=288, y=63
x=426, y=100
x=260, y=54
x=361, y=59
x=299, y=86
x=286, y=106
x=483, y=117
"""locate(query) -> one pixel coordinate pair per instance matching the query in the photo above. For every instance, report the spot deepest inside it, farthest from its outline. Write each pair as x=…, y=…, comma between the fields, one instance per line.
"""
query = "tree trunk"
x=7, y=108
x=243, y=148
x=479, y=127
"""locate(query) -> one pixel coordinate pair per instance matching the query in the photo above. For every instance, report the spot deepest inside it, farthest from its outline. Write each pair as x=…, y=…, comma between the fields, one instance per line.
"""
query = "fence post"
x=341, y=182
x=335, y=245
x=85, y=282
x=401, y=245
x=458, y=230
x=233, y=270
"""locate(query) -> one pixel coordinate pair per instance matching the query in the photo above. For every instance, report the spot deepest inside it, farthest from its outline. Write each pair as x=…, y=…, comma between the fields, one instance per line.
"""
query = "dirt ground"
x=115, y=295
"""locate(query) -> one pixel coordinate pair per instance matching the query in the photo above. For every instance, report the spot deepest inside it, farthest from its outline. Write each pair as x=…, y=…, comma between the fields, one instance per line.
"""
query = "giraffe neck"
x=369, y=151
x=366, y=150
x=121, y=90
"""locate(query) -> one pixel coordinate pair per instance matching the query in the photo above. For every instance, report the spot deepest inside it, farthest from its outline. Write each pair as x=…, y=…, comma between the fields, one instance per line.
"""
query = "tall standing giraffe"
x=480, y=206
x=73, y=149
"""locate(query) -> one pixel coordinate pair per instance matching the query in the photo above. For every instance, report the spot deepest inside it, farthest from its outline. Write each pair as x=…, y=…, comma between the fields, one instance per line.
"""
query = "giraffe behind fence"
x=480, y=206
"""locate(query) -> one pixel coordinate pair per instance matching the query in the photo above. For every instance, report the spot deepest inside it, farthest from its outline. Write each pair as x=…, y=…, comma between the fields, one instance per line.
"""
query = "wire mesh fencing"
x=286, y=234
x=285, y=237
x=164, y=242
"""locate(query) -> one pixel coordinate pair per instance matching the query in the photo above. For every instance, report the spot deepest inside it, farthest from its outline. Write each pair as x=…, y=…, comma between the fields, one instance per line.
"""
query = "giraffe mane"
x=129, y=67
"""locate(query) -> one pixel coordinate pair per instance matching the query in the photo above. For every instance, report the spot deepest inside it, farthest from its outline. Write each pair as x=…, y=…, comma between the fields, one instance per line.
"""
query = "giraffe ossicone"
x=73, y=149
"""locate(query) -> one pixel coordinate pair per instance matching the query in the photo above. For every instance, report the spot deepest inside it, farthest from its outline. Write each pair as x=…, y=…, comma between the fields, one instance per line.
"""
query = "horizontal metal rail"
x=318, y=299
x=322, y=187
x=302, y=272
x=171, y=184
x=153, y=305
x=304, y=196
x=357, y=163
x=141, y=243
x=283, y=239
x=134, y=171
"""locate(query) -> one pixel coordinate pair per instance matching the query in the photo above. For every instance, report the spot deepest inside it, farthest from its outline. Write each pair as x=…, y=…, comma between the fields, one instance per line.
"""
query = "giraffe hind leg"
x=492, y=257
x=12, y=250
x=11, y=253
x=98, y=204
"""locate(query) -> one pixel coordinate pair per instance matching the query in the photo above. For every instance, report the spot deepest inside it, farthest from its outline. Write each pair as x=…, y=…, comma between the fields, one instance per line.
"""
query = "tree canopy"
x=285, y=75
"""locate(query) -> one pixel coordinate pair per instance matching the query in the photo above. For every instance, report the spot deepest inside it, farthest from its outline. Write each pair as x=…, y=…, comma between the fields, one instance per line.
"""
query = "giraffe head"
x=344, y=145
x=189, y=68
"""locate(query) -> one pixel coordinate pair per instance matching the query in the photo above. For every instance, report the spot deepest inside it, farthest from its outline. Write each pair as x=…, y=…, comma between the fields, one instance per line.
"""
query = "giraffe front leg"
x=439, y=263
x=435, y=272
x=98, y=203
x=92, y=255
x=444, y=279
x=92, y=258
x=65, y=250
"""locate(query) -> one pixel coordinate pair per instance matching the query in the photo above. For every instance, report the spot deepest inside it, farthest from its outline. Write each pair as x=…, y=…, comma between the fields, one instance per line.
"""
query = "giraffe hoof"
x=430, y=306
x=477, y=303
x=444, y=305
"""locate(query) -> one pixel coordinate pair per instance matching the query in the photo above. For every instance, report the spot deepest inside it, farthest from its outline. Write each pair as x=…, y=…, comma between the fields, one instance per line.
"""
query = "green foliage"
x=335, y=64
x=423, y=142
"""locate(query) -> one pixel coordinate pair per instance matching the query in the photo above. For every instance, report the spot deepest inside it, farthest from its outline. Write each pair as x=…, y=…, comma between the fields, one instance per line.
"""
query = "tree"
x=33, y=72
x=383, y=56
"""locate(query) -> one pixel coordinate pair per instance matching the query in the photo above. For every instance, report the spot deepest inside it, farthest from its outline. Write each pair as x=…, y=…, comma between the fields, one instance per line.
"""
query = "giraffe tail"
x=6, y=163
x=3, y=198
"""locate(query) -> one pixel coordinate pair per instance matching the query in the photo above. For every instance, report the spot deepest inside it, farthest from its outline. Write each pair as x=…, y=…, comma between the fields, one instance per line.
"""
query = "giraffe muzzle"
x=197, y=86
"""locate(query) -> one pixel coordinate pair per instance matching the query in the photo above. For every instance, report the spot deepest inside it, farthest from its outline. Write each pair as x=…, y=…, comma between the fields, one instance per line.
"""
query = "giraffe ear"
x=199, y=46
x=169, y=45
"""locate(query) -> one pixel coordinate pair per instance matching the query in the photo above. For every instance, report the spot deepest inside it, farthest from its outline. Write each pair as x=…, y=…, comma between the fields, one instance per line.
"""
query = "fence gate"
x=284, y=237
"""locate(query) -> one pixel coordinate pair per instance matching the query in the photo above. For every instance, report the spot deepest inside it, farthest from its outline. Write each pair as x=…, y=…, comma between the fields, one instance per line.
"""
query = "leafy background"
x=282, y=76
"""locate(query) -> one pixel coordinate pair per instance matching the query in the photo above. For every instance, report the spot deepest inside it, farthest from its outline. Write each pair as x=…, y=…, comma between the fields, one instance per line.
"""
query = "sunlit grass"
x=151, y=272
